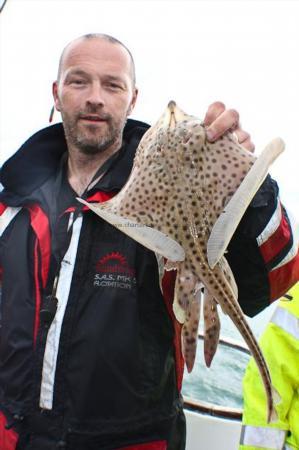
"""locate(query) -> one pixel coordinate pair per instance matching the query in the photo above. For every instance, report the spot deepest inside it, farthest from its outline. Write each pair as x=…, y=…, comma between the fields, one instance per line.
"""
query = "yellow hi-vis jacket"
x=280, y=346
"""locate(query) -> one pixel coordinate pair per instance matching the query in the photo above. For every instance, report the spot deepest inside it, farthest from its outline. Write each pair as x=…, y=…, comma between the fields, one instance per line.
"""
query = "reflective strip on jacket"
x=280, y=346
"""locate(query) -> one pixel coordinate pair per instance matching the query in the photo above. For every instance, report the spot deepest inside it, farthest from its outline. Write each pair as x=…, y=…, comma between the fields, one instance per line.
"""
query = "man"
x=90, y=350
x=280, y=345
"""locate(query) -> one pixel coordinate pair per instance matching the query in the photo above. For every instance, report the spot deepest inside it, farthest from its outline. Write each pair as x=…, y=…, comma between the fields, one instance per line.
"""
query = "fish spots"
x=179, y=185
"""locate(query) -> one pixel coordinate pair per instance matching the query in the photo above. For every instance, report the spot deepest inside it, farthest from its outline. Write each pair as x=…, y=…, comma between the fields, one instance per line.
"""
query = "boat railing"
x=210, y=408
x=228, y=342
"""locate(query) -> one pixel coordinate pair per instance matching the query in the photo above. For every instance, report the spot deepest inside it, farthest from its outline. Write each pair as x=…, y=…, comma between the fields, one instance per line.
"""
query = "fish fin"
x=227, y=271
x=272, y=415
x=151, y=238
x=228, y=276
x=183, y=292
x=276, y=396
x=190, y=331
x=178, y=311
x=211, y=327
x=171, y=265
x=186, y=287
x=229, y=219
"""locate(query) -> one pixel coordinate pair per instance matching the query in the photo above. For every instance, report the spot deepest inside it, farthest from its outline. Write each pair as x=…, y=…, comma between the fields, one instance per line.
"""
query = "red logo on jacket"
x=113, y=271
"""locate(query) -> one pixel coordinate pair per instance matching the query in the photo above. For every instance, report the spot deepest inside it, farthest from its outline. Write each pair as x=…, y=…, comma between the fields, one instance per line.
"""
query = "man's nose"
x=96, y=95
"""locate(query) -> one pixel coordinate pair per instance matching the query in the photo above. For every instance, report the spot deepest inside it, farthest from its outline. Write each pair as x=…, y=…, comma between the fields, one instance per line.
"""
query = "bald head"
x=99, y=36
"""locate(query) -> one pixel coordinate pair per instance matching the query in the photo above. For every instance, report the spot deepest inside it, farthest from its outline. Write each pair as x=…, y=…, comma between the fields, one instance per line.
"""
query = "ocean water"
x=221, y=384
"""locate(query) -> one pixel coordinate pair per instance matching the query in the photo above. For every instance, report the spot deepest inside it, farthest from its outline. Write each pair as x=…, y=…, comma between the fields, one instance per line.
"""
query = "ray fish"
x=184, y=199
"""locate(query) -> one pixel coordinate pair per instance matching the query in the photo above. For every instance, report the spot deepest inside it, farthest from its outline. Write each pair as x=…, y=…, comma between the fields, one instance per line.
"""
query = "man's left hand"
x=219, y=120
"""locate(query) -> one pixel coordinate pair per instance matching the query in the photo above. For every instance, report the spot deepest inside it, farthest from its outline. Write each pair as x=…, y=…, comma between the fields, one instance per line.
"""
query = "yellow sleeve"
x=281, y=353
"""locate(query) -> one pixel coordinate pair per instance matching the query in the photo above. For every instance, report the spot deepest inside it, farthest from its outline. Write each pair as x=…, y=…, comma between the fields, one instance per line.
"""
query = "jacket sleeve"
x=263, y=253
x=278, y=346
x=2, y=210
x=6, y=216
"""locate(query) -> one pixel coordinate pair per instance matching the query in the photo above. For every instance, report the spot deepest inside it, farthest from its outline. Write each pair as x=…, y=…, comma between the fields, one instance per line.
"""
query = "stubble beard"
x=90, y=142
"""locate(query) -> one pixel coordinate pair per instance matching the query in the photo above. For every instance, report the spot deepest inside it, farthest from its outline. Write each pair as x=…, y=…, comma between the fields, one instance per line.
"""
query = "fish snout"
x=173, y=115
x=171, y=105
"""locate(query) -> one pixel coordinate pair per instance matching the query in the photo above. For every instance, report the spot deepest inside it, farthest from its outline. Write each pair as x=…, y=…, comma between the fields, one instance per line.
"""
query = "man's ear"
x=133, y=101
x=55, y=95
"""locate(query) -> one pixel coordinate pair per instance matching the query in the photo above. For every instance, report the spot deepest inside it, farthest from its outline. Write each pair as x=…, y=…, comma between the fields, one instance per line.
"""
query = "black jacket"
x=115, y=378
x=119, y=366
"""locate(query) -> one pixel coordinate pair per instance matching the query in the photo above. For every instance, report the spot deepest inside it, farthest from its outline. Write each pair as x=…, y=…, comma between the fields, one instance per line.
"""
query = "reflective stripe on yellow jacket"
x=280, y=346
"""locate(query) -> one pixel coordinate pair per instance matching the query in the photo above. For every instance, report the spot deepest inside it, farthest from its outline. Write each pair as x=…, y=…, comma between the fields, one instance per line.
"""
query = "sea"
x=221, y=384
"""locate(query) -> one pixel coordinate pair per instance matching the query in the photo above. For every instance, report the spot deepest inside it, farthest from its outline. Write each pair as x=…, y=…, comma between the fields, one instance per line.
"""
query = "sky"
x=243, y=53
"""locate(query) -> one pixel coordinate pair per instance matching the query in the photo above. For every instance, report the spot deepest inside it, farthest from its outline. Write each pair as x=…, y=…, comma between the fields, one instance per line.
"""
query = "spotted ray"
x=180, y=187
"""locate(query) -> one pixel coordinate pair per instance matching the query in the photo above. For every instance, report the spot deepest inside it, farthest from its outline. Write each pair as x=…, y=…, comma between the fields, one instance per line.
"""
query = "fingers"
x=220, y=120
x=244, y=139
x=249, y=145
x=214, y=110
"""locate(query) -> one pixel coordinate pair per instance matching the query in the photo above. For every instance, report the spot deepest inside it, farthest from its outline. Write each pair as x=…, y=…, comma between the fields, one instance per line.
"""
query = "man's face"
x=94, y=94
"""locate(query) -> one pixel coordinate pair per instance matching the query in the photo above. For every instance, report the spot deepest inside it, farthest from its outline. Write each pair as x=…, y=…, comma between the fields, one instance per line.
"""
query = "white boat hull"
x=205, y=432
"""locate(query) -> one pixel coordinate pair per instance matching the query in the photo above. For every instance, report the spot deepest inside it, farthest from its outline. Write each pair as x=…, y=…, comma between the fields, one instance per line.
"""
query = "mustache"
x=100, y=115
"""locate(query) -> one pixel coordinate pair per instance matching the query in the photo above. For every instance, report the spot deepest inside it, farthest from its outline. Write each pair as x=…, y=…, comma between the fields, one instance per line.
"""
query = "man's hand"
x=219, y=120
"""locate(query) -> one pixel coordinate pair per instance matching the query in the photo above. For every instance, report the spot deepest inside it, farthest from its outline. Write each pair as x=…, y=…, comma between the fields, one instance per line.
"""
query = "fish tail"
x=233, y=309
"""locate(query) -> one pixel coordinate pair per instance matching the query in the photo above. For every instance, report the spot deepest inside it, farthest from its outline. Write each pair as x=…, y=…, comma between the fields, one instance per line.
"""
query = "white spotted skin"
x=179, y=185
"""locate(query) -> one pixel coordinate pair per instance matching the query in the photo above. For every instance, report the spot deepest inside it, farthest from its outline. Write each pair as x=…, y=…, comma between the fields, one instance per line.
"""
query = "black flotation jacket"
x=103, y=368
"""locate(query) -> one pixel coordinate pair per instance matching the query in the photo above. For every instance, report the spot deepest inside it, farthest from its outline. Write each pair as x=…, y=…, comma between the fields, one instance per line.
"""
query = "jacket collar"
x=38, y=159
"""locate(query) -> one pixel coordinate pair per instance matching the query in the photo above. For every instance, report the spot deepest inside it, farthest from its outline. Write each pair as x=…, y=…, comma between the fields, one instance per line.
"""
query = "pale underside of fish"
x=184, y=199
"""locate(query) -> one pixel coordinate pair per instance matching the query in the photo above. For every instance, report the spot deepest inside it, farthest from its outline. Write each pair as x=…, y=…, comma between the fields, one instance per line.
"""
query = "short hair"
x=105, y=37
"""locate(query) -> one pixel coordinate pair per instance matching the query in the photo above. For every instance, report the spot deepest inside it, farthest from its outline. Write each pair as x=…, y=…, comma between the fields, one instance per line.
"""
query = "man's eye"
x=78, y=82
x=114, y=86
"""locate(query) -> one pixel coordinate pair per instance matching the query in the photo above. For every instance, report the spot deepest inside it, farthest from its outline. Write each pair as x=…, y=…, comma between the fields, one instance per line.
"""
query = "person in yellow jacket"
x=280, y=346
